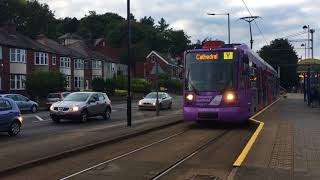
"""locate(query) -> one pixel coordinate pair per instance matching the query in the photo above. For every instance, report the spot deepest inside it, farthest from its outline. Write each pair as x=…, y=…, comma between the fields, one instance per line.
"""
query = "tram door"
x=254, y=89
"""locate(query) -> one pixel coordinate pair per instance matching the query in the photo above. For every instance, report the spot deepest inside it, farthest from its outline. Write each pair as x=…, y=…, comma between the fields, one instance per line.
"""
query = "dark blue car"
x=10, y=117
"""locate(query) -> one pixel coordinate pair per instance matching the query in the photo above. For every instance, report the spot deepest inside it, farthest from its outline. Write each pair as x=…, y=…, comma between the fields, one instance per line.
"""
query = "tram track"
x=179, y=162
x=164, y=170
x=148, y=156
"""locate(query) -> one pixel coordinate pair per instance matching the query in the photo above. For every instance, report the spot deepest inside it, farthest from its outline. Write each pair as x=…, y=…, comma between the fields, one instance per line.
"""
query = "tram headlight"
x=190, y=97
x=230, y=97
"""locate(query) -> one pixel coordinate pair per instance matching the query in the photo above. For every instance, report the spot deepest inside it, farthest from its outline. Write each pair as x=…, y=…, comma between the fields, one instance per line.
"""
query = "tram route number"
x=228, y=55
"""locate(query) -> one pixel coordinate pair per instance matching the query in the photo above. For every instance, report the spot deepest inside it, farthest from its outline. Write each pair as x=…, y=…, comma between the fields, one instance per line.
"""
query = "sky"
x=279, y=18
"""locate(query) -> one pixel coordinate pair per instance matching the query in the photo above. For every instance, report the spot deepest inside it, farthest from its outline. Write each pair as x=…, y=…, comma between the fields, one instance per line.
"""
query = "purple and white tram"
x=226, y=83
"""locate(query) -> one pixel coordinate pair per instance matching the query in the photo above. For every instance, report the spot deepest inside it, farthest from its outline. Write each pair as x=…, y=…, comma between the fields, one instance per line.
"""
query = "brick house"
x=20, y=56
x=113, y=55
x=66, y=61
x=168, y=66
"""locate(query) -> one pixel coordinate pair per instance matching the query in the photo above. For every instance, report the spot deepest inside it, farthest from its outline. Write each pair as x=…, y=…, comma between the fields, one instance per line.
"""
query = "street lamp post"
x=307, y=27
x=129, y=113
x=227, y=14
x=249, y=19
x=312, y=31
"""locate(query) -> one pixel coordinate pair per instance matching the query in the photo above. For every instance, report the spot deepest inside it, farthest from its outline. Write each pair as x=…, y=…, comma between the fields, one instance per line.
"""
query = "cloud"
x=278, y=17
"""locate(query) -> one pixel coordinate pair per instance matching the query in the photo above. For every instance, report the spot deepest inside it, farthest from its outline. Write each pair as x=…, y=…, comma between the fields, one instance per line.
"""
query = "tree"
x=147, y=21
x=39, y=84
x=281, y=53
x=30, y=17
x=98, y=85
x=162, y=25
x=67, y=25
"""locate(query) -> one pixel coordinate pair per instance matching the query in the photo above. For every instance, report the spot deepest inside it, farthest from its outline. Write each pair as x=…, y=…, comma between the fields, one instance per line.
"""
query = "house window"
x=54, y=60
x=17, y=55
x=17, y=82
x=68, y=82
x=0, y=52
x=40, y=58
x=78, y=82
x=79, y=64
x=96, y=76
x=65, y=62
x=96, y=65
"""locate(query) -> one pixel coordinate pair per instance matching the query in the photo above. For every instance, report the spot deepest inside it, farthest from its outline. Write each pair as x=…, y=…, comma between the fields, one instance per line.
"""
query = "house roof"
x=82, y=48
x=162, y=57
x=97, y=41
x=70, y=36
x=15, y=39
x=58, y=48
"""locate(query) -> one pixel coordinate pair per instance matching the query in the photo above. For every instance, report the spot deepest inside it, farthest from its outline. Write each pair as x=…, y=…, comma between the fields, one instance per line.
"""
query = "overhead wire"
x=260, y=31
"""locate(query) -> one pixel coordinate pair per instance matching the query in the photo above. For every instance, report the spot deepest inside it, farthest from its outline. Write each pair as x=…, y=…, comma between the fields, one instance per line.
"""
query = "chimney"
x=9, y=27
x=41, y=38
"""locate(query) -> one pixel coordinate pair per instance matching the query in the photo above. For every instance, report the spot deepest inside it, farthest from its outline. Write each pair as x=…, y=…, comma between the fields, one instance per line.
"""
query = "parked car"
x=80, y=106
x=10, y=118
x=55, y=97
x=149, y=101
x=24, y=103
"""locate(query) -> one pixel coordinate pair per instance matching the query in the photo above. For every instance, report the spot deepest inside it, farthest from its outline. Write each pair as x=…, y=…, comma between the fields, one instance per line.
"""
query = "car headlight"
x=20, y=118
x=75, y=108
x=140, y=102
x=51, y=108
x=154, y=103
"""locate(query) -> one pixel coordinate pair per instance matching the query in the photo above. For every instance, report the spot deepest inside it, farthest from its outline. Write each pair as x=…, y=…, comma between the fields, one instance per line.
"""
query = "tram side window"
x=245, y=74
x=253, y=78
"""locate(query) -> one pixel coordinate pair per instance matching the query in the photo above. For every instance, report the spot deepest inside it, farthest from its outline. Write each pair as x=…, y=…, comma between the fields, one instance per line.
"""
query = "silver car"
x=149, y=101
x=80, y=106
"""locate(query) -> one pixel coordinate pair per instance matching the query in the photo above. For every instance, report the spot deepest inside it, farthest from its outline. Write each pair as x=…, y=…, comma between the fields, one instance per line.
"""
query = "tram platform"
x=288, y=147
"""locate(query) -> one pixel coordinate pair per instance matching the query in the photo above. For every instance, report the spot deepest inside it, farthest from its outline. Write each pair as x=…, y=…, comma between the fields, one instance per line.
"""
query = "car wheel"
x=15, y=128
x=34, y=109
x=84, y=117
x=107, y=114
x=170, y=105
x=56, y=120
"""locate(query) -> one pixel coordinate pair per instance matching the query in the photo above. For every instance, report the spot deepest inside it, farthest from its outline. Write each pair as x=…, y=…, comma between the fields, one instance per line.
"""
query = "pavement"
x=288, y=146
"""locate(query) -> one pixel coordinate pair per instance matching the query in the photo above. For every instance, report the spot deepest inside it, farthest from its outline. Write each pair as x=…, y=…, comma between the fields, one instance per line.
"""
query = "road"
x=40, y=123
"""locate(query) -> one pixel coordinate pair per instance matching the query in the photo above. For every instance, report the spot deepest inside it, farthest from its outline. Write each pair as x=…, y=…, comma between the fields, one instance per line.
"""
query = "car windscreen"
x=79, y=97
x=154, y=95
x=53, y=95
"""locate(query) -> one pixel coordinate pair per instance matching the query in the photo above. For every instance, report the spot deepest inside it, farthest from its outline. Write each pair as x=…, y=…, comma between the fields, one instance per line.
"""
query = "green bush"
x=110, y=87
x=172, y=85
x=39, y=84
x=140, y=86
x=121, y=92
x=98, y=85
x=120, y=82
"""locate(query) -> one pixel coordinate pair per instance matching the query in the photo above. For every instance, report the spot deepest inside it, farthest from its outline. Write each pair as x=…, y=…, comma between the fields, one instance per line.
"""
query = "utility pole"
x=129, y=113
x=157, y=84
x=312, y=31
x=228, y=14
x=249, y=19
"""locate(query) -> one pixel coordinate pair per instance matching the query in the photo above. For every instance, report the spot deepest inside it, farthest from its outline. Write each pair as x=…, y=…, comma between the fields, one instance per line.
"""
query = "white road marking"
x=42, y=121
x=38, y=117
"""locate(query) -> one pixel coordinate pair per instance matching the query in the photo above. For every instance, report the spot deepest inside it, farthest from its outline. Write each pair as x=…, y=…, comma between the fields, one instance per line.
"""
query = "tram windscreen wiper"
x=188, y=82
